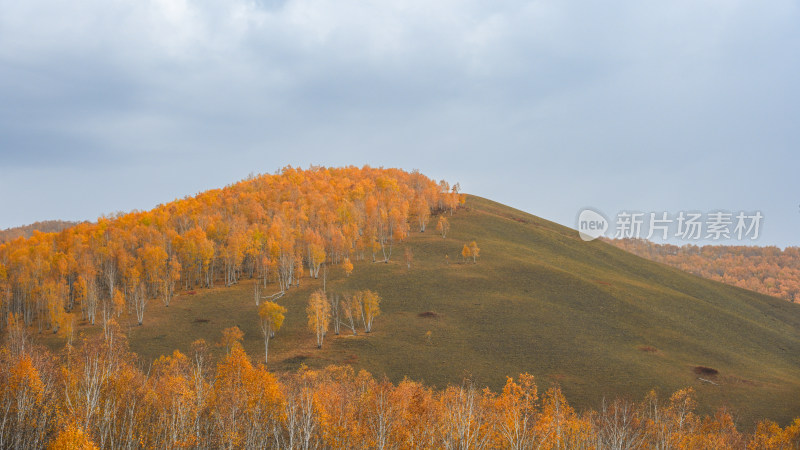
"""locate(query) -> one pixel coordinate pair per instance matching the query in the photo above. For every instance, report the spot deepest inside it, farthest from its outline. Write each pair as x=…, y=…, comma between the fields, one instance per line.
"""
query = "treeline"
x=96, y=395
x=26, y=231
x=768, y=270
x=270, y=227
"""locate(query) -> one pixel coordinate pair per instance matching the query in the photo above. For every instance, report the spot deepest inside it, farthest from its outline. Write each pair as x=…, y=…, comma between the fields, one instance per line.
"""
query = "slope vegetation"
x=768, y=270
x=600, y=322
x=26, y=231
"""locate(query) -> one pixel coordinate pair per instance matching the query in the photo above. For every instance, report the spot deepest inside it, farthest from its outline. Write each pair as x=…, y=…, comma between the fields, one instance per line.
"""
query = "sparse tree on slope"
x=474, y=251
x=271, y=315
x=443, y=226
x=319, y=315
x=465, y=252
x=351, y=310
x=370, y=303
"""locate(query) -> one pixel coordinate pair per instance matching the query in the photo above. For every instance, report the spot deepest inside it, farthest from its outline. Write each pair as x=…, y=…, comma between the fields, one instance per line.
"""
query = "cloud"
x=553, y=92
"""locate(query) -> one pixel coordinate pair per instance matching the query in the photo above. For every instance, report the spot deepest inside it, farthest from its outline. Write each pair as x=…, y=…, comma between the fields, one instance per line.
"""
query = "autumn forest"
x=768, y=270
x=83, y=282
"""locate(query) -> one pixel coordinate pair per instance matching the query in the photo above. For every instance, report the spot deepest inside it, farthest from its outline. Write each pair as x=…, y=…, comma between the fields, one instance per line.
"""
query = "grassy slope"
x=539, y=300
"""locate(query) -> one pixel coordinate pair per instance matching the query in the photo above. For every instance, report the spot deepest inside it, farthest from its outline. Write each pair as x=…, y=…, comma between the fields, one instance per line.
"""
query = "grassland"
x=596, y=320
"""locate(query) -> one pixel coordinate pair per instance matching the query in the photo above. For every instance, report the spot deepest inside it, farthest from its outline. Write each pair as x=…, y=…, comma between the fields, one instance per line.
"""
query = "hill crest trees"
x=268, y=227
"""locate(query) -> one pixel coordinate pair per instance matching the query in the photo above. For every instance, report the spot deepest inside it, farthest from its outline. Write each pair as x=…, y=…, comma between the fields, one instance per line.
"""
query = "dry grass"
x=539, y=300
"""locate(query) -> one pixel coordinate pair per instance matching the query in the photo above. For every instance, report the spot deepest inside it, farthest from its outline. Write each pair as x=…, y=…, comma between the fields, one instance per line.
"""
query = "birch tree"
x=336, y=312
x=443, y=226
x=351, y=311
x=271, y=315
x=370, y=308
x=474, y=251
x=319, y=315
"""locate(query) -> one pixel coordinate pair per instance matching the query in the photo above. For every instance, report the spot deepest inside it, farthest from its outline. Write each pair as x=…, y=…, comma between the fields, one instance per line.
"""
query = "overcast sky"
x=549, y=106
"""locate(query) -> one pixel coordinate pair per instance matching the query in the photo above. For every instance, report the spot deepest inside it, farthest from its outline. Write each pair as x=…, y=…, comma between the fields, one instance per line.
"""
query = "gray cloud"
x=620, y=105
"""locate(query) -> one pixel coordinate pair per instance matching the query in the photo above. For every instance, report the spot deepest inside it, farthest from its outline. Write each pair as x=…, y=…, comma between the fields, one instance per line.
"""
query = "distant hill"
x=599, y=321
x=46, y=226
x=768, y=270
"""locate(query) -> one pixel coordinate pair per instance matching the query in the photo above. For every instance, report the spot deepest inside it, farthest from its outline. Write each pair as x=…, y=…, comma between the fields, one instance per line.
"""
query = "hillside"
x=768, y=270
x=25, y=231
x=597, y=320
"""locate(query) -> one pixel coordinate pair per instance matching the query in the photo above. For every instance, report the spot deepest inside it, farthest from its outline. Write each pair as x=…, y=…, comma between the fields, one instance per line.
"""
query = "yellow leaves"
x=71, y=437
x=770, y=436
x=173, y=270
x=470, y=250
x=118, y=302
x=422, y=211
x=386, y=183
x=24, y=380
x=681, y=409
x=175, y=398
x=319, y=315
x=317, y=252
x=465, y=252
x=242, y=394
x=67, y=326
x=370, y=301
x=443, y=226
x=172, y=364
x=231, y=369
x=231, y=338
x=474, y=251
x=348, y=267
x=464, y=417
x=717, y=432
x=398, y=222
x=270, y=227
x=271, y=314
x=179, y=403
x=515, y=413
x=336, y=406
x=79, y=289
x=195, y=248
x=523, y=394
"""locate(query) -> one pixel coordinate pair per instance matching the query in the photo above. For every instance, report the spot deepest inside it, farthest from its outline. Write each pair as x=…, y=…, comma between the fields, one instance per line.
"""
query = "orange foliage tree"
x=267, y=227
x=271, y=315
x=98, y=396
x=768, y=270
x=319, y=315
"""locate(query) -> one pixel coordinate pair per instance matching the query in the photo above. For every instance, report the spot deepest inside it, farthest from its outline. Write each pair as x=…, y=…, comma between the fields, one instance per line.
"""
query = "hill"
x=598, y=321
x=25, y=231
x=768, y=270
